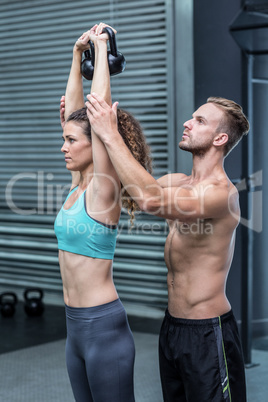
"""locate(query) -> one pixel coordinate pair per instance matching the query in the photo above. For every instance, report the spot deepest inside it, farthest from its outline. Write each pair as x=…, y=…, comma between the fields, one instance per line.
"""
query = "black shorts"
x=201, y=360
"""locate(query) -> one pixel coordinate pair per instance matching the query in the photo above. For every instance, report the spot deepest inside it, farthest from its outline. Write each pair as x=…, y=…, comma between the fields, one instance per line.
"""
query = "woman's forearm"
x=101, y=77
x=74, y=95
x=105, y=175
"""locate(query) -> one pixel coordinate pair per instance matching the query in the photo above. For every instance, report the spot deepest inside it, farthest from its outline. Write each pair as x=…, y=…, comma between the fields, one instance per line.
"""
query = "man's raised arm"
x=184, y=202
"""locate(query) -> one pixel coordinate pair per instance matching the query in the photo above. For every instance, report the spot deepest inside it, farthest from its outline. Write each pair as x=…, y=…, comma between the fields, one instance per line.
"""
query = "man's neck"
x=206, y=166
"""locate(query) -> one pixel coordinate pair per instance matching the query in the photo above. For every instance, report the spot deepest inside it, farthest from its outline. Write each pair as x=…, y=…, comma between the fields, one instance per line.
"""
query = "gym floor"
x=32, y=361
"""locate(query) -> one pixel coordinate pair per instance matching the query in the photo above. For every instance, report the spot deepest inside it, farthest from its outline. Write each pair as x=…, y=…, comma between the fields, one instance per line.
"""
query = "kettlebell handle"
x=33, y=290
x=11, y=295
x=92, y=51
x=112, y=40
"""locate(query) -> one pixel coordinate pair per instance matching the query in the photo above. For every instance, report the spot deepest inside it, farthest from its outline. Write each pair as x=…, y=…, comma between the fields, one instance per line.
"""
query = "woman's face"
x=76, y=148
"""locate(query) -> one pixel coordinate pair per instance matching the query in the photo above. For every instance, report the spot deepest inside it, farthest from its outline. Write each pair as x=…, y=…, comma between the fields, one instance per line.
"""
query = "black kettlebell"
x=116, y=60
x=33, y=306
x=8, y=300
x=87, y=65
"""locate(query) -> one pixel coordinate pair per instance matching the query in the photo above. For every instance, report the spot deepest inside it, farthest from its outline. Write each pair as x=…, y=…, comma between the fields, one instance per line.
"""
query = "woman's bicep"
x=104, y=172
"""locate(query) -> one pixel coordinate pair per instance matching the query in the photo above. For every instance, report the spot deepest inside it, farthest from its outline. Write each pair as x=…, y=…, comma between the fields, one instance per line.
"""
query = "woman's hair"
x=234, y=123
x=134, y=138
x=80, y=118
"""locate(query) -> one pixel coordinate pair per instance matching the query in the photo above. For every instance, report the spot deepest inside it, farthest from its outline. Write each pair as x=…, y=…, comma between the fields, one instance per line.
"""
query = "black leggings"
x=100, y=353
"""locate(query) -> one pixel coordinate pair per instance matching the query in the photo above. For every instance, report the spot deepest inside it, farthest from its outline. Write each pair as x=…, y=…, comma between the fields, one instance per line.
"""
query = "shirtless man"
x=199, y=348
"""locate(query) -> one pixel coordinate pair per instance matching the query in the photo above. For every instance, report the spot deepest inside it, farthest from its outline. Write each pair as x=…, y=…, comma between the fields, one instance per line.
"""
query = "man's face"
x=201, y=130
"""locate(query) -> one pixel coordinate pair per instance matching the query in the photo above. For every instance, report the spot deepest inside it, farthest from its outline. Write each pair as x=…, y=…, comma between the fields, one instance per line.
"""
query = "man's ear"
x=220, y=139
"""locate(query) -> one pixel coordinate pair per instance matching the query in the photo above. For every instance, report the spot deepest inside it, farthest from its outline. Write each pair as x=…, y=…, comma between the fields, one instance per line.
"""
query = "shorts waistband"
x=80, y=313
x=191, y=322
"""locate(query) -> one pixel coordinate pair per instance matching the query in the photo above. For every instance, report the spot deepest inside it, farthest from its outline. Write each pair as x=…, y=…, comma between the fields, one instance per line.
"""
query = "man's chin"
x=183, y=146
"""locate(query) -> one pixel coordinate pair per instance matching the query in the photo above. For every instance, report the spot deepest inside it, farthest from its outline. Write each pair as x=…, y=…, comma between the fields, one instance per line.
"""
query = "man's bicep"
x=174, y=203
x=215, y=201
x=190, y=203
x=163, y=181
x=170, y=180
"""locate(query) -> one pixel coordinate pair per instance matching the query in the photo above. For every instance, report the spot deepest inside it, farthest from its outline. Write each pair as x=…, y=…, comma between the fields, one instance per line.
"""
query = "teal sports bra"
x=78, y=233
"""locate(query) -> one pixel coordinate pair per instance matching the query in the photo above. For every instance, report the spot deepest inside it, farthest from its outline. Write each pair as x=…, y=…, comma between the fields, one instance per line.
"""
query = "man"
x=199, y=348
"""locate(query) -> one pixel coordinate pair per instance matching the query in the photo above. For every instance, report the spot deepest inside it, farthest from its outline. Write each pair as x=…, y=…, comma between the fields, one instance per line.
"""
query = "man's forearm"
x=141, y=186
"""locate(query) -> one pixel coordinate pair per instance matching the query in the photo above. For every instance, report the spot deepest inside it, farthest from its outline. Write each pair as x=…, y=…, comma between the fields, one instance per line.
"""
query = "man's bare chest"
x=192, y=229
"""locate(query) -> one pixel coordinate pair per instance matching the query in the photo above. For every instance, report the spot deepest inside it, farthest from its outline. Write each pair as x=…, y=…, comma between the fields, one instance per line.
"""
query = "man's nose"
x=188, y=124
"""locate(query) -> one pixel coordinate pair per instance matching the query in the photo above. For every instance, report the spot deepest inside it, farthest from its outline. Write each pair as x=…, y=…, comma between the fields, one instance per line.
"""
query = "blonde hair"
x=234, y=122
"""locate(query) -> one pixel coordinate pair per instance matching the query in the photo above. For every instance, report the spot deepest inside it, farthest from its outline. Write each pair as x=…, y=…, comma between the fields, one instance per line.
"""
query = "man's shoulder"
x=220, y=198
x=172, y=179
x=222, y=184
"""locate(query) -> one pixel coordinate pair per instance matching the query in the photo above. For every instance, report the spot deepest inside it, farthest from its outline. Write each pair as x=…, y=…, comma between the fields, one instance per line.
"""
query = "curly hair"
x=134, y=138
x=234, y=123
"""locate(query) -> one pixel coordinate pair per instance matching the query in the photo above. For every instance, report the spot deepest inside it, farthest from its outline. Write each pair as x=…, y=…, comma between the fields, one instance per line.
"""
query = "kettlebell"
x=116, y=60
x=33, y=306
x=8, y=300
x=87, y=65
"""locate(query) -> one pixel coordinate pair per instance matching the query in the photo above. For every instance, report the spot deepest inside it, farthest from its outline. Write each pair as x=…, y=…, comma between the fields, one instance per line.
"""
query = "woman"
x=99, y=349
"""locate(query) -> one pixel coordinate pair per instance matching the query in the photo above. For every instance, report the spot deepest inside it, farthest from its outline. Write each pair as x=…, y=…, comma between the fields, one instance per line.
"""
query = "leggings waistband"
x=191, y=322
x=80, y=313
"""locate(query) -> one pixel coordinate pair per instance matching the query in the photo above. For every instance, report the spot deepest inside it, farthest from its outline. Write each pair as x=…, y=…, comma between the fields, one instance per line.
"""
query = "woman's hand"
x=103, y=35
x=82, y=43
x=94, y=34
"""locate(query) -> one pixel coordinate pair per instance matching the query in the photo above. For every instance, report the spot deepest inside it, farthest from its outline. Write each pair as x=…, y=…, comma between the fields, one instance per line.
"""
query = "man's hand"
x=62, y=112
x=102, y=117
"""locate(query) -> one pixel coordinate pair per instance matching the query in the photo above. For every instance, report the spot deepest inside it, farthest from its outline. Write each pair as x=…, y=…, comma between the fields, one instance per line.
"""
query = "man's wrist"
x=113, y=139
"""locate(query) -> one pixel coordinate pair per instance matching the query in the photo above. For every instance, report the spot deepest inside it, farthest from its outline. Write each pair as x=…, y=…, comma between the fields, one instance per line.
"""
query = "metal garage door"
x=36, y=40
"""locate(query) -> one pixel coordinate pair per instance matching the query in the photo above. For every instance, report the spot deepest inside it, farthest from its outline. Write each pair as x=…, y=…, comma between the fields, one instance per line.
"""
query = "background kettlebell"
x=87, y=65
x=8, y=300
x=33, y=306
x=116, y=60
